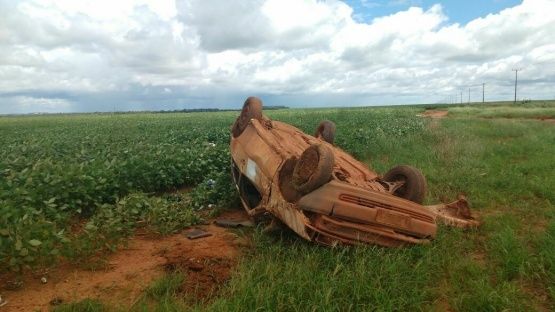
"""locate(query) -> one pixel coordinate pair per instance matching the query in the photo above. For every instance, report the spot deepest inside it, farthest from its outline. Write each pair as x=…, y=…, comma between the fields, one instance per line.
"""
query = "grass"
x=168, y=285
x=163, y=294
x=85, y=305
x=529, y=110
x=506, y=168
x=547, y=259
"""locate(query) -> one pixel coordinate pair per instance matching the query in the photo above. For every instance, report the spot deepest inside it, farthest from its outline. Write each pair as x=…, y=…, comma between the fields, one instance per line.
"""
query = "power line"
x=516, y=79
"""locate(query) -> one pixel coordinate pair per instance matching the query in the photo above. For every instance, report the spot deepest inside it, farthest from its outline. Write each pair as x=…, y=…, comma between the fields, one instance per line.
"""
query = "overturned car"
x=324, y=194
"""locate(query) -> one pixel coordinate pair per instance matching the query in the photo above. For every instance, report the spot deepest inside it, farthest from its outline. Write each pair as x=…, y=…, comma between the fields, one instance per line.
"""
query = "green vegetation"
x=504, y=163
x=163, y=295
x=86, y=305
x=56, y=169
x=504, y=112
x=111, y=224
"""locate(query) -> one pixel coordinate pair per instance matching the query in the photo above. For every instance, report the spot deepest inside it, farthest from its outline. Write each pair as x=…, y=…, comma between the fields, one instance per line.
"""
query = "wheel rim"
x=401, y=191
x=307, y=165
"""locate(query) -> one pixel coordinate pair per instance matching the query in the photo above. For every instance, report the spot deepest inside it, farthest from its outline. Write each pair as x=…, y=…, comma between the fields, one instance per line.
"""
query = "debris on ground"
x=197, y=233
x=205, y=275
x=233, y=223
x=13, y=284
x=56, y=301
x=3, y=301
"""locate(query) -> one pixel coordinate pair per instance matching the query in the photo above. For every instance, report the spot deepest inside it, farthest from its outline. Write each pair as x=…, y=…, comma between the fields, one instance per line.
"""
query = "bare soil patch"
x=547, y=119
x=540, y=296
x=205, y=275
x=207, y=263
x=434, y=113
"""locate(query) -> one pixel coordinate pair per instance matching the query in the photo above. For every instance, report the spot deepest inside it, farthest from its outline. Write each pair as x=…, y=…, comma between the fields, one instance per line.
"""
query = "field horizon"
x=283, y=106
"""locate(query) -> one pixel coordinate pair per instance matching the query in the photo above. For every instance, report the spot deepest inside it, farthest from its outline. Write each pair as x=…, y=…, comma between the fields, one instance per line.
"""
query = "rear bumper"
x=352, y=214
x=330, y=231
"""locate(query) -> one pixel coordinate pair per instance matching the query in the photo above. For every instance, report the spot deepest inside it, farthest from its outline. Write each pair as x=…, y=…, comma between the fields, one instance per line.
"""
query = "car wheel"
x=415, y=185
x=285, y=181
x=252, y=108
x=326, y=131
x=313, y=169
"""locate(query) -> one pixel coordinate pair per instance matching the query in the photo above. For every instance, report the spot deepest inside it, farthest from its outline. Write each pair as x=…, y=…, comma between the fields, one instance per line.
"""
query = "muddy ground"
x=434, y=113
x=207, y=263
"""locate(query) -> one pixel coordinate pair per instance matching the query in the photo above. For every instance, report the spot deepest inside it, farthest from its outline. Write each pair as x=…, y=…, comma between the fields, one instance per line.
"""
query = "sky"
x=87, y=56
x=458, y=11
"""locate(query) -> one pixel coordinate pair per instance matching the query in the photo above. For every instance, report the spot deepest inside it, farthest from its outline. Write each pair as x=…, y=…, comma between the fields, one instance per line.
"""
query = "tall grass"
x=85, y=305
x=504, y=111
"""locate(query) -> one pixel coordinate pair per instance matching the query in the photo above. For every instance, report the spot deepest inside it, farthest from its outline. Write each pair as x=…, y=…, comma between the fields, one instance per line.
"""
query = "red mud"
x=207, y=263
x=434, y=114
x=547, y=119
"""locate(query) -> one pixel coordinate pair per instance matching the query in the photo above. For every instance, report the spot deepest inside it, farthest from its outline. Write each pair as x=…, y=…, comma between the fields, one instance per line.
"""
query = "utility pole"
x=516, y=79
x=483, y=93
x=461, y=97
x=468, y=95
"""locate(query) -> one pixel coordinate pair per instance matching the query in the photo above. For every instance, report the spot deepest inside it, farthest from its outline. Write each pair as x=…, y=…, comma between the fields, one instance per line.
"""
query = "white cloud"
x=209, y=52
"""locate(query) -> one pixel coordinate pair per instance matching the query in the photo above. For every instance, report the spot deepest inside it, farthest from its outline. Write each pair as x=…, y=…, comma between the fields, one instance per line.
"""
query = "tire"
x=415, y=186
x=286, y=188
x=313, y=169
x=252, y=109
x=326, y=131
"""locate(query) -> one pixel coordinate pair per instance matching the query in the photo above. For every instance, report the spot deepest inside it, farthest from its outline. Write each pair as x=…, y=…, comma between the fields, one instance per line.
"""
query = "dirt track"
x=206, y=261
x=434, y=114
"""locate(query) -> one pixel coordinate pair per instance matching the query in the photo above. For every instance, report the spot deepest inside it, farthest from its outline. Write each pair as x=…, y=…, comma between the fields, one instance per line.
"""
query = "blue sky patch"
x=460, y=12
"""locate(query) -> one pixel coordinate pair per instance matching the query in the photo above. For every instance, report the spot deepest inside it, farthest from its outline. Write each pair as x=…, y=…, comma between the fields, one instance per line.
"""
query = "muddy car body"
x=324, y=194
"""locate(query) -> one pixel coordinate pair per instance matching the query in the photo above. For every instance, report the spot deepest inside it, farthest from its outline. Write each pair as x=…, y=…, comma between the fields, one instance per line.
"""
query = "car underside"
x=324, y=194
